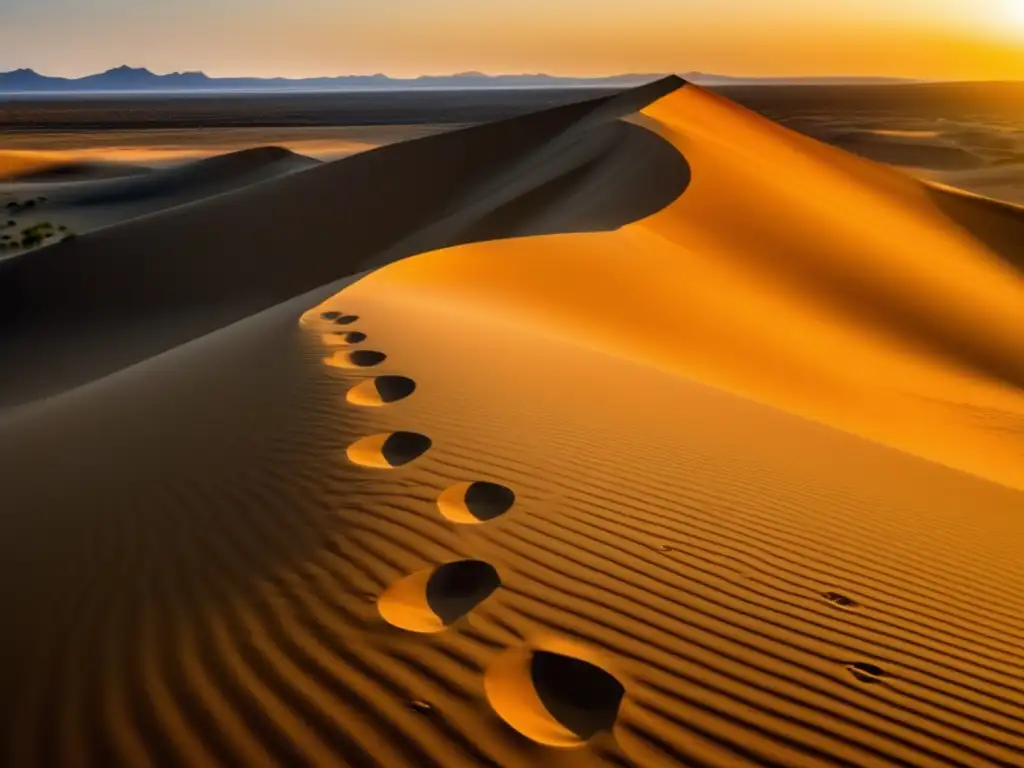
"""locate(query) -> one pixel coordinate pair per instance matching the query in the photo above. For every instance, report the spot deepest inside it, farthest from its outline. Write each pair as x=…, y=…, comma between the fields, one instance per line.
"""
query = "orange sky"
x=946, y=39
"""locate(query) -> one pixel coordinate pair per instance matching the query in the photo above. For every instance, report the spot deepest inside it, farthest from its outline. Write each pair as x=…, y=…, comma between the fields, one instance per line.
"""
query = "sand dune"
x=911, y=151
x=681, y=440
x=25, y=167
x=84, y=196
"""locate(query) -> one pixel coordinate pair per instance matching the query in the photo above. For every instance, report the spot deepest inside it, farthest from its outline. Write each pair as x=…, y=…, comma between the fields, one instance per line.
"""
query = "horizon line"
x=459, y=73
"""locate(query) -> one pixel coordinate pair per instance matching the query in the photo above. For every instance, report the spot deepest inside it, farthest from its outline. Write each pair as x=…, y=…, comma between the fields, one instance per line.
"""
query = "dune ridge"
x=216, y=557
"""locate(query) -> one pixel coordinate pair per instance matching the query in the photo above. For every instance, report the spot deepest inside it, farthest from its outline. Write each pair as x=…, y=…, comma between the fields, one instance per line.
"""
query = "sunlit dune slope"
x=792, y=273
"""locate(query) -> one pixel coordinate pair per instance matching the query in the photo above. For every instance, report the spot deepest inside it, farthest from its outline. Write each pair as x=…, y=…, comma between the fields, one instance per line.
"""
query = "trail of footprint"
x=553, y=698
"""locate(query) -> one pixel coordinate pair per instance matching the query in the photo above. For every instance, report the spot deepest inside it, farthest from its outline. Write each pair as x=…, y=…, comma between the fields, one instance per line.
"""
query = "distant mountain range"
x=127, y=79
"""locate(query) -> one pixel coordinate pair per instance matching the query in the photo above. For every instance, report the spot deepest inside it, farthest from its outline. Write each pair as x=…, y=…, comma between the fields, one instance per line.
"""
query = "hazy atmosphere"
x=938, y=39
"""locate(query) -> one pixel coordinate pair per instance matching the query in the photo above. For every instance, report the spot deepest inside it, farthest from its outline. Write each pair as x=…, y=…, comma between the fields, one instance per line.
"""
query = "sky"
x=934, y=39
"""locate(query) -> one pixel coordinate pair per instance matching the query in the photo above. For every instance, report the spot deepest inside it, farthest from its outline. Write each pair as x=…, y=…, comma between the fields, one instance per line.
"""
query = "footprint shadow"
x=389, y=450
x=475, y=503
x=381, y=391
x=433, y=599
x=555, y=699
x=361, y=358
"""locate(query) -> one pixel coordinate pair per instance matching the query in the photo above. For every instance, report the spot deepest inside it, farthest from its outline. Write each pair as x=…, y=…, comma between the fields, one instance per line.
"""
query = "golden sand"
x=716, y=466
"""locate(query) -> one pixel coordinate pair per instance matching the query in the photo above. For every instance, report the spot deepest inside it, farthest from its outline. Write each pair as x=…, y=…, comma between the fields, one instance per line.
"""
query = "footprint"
x=433, y=599
x=345, y=319
x=342, y=338
x=388, y=450
x=473, y=503
x=842, y=601
x=361, y=358
x=381, y=391
x=553, y=698
x=351, y=337
x=866, y=673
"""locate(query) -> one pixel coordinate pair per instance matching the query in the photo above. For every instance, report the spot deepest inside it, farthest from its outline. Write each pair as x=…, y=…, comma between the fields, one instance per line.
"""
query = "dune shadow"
x=191, y=269
x=637, y=175
x=1000, y=226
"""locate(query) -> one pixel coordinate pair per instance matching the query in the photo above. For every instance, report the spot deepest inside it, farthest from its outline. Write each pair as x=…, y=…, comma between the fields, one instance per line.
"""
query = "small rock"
x=841, y=600
x=866, y=673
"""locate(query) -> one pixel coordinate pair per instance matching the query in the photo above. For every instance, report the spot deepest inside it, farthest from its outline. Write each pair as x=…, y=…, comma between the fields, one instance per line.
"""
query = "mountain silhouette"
x=126, y=78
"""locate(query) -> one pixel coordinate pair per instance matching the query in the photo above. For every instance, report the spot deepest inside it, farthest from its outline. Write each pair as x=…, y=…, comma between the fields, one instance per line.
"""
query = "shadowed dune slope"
x=570, y=168
x=793, y=273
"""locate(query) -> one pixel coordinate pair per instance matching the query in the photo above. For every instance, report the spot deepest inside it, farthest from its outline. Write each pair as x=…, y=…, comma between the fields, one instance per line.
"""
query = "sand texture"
x=636, y=432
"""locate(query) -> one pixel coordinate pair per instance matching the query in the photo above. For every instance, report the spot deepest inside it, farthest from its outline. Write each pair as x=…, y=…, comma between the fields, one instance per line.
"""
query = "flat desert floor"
x=633, y=431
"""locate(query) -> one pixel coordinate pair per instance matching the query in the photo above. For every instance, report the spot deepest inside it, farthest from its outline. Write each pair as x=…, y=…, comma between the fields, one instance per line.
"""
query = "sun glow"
x=1014, y=15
